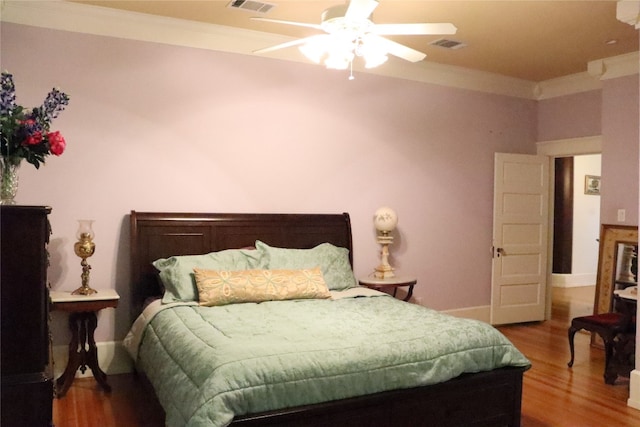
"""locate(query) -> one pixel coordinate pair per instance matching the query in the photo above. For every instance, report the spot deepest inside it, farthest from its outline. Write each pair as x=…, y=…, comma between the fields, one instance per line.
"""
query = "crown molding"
x=102, y=21
x=83, y=18
x=615, y=66
x=628, y=11
x=566, y=85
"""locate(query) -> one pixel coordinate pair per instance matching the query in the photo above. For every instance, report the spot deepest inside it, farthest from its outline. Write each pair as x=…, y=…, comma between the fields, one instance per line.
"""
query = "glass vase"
x=9, y=167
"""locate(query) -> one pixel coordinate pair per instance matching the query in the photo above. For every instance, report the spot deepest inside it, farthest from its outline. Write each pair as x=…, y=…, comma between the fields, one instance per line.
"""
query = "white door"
x=520, y=229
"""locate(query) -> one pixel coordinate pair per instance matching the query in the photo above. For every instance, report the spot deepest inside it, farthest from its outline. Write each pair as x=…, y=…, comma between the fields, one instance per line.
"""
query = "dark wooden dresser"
x=26, y=386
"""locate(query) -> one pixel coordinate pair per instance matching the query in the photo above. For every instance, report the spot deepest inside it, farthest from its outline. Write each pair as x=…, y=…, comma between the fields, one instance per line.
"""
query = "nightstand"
x=393, y=282
x=83, y=321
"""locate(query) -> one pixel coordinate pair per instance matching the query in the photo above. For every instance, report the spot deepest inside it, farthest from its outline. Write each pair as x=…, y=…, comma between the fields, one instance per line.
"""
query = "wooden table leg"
x=622, y=359
x=82, y=352
x=64, y=382
x=92, y=353
x=408, y=297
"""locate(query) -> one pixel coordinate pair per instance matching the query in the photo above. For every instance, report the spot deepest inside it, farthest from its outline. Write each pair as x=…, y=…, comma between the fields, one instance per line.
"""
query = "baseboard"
x=634, y=389
x=573, y=280
x=112, y=358
x=482, y=313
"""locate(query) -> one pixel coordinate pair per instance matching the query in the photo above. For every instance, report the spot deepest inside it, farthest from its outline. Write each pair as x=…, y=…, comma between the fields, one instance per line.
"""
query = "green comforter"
x=209, y=364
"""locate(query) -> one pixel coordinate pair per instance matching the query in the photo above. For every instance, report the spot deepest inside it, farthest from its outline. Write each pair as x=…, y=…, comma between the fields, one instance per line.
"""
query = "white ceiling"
x=531, y=40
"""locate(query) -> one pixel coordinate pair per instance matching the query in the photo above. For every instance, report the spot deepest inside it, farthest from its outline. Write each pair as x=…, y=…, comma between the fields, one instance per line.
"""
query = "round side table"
x=393, y=282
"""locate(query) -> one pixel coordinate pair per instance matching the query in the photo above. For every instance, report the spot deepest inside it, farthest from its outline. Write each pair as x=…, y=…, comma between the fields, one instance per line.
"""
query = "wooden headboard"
x=163, y=234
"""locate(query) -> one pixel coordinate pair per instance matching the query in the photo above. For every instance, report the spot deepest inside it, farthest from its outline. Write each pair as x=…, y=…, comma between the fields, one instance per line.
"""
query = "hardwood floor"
x=86, y=405
x=558, y=396
x=553, y=394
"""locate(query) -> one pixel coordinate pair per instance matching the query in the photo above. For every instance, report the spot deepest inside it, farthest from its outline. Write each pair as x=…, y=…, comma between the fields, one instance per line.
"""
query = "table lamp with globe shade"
x=385, y=220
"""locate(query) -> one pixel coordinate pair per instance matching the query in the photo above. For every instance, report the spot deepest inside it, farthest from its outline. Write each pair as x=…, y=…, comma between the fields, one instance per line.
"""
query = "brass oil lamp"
x=84, y=248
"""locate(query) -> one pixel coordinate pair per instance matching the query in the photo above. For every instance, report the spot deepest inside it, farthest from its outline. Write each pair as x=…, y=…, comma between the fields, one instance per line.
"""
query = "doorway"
x=574, y=147
x=576, y=228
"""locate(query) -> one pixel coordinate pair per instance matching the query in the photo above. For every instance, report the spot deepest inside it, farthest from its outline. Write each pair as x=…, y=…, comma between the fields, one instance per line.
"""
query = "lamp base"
x=84, y=290
x=384, y=272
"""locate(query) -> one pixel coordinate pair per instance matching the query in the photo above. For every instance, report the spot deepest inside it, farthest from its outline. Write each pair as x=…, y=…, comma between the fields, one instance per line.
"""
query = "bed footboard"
x=491, y=399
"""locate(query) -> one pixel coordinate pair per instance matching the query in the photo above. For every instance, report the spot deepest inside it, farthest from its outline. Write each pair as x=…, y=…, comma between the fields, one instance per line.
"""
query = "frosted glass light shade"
x=85, y=229
x=385, y=219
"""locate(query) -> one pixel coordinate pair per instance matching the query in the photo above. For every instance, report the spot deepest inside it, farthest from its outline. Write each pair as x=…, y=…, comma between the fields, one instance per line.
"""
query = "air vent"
x=251, y=6
x=447, y=44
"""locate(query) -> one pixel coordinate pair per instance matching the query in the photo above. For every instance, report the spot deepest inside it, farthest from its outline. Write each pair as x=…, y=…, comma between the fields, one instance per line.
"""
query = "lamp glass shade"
x=85, y=228
x=385, y=219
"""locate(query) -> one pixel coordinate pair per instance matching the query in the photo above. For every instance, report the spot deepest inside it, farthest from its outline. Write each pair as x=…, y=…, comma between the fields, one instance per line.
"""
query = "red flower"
x=57, y=143
x=33, y=139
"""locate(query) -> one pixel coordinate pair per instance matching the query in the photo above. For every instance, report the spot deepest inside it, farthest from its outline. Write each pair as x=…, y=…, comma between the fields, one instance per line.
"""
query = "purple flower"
x=54, y=104
x=7, y=93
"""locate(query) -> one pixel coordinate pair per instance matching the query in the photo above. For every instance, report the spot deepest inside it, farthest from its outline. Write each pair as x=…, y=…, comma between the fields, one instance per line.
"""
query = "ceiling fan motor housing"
x=334, y=21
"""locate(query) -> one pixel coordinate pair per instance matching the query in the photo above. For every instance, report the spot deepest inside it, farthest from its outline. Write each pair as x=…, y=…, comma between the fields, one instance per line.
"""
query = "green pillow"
x=177, y=274
x=332, y=260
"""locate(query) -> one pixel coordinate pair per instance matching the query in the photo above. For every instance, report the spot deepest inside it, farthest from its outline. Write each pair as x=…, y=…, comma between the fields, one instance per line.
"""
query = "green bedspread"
x=209, y=364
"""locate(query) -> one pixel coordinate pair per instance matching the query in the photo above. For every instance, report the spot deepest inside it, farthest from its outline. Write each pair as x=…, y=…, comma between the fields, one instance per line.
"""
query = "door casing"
x=562, y=148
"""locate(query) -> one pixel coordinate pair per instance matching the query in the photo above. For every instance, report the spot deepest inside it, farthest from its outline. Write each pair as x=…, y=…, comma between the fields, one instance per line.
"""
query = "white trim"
x=103, y=21
x=628, y=11
x=615, y=66
x=570, y=146
x=634, y=389
x=482, y=313
x=566, y=85
x=112, y=358
x=572, y=280
x=562, y=148
x=458, y=77
x=83, y=18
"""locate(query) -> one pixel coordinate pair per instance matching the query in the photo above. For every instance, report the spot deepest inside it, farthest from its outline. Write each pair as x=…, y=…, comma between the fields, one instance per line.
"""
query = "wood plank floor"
x=558, y=396
x=553, y=394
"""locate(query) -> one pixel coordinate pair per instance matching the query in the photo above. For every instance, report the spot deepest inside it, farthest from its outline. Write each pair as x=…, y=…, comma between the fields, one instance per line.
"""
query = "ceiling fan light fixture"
x=313, y=50
x=374, y=53
x=374, y=60
x=350, y=32
x=336, y=51
x=339, y=59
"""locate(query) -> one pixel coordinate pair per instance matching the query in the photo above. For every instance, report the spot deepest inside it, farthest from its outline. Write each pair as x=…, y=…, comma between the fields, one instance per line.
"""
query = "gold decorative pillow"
x=221, y=287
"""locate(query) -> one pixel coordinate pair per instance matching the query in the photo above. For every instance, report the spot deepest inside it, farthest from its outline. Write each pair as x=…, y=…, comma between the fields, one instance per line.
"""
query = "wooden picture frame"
x=610, y=237
x=592, y=185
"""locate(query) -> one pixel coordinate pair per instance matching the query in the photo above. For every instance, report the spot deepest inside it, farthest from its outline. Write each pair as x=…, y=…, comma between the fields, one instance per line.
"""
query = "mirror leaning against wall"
x=617, y=263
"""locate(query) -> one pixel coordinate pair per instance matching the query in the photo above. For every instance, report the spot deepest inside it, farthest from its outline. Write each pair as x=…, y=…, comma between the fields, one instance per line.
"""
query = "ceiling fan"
x=349, y=32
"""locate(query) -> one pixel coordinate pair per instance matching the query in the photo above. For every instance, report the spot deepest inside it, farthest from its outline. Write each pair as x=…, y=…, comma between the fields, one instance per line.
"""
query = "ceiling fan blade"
x=396, y=49
x=414, y=29
x=288, y=44
x=281, y=21
x=360, y=9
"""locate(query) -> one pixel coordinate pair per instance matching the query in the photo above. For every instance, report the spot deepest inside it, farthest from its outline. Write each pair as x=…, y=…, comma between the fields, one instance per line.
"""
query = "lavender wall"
x=613, y=113
x=570, y=116
x=156, y=127
x=620, y=148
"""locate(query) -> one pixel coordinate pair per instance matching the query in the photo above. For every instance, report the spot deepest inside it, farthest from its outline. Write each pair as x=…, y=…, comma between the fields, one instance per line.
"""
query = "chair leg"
x=572, y=333
x=609, y=377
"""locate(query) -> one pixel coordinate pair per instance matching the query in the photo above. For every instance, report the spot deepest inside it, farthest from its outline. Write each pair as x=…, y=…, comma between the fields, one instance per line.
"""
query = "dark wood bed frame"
x=482, y=399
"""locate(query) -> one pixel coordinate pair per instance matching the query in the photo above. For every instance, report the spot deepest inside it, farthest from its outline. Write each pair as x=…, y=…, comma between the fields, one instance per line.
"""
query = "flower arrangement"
x=24, y=133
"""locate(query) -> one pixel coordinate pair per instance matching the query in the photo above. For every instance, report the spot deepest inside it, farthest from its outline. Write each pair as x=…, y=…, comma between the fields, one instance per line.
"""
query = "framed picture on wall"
x=592, y=185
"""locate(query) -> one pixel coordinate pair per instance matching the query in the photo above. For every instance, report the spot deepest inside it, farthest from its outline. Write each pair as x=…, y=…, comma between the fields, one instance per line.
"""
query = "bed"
x=368, y=392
